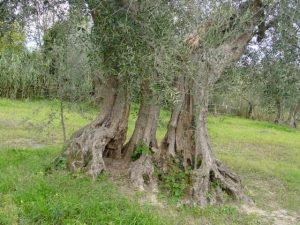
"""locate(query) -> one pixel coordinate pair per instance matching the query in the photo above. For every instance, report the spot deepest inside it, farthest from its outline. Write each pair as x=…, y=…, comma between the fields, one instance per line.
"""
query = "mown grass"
x=30, y=196
x=266, y=156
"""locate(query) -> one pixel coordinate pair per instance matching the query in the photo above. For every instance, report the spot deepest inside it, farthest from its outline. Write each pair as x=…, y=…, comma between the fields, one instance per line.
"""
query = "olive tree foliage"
x=239, y=92
x=280, y=83
x=280, y=64
x=134, y=41
x=286, y=55
x=269, y=71
x=65, y=51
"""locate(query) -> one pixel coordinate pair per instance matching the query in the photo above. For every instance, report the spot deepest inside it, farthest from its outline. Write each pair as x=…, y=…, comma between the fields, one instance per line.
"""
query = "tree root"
x=141, y=174
x=86, y=150
x=211, y=183
x=90, y=144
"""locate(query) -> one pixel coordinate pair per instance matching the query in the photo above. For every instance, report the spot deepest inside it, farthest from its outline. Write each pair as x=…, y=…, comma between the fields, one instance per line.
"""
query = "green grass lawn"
x=266, y=156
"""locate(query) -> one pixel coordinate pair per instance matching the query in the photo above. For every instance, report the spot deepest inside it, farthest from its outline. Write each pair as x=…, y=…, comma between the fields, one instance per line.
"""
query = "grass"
x=37, y=123
x=32, y=197
x=266, y=156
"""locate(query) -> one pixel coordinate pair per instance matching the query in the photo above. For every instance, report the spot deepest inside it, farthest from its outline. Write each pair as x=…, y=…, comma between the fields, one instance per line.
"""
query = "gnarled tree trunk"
x=105, y=136
x=178, y=142
x=211, y=178
x=145, y=127
x=141, y=171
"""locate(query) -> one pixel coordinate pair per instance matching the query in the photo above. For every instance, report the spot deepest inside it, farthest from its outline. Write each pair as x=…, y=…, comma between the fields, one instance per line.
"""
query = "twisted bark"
x=141, y=174
x=105, y=136
x=141, y=171
x=178, y=143
x=146, y=125
x=211, y=179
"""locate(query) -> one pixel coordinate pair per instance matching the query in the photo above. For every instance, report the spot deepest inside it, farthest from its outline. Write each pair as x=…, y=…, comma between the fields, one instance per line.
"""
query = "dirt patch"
x=277, y=217
x=23, y=143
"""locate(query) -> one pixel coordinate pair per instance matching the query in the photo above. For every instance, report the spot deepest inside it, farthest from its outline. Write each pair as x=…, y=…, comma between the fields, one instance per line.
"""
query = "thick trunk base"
x=178, y=143
x=102, y=138
x=91, y=144
x=212, y=182
x=141, y=174
x=144, y=134
x=187, y=143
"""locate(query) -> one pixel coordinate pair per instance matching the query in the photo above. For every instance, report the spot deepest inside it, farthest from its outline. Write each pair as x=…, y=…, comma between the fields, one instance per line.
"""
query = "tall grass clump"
x=21, y=76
